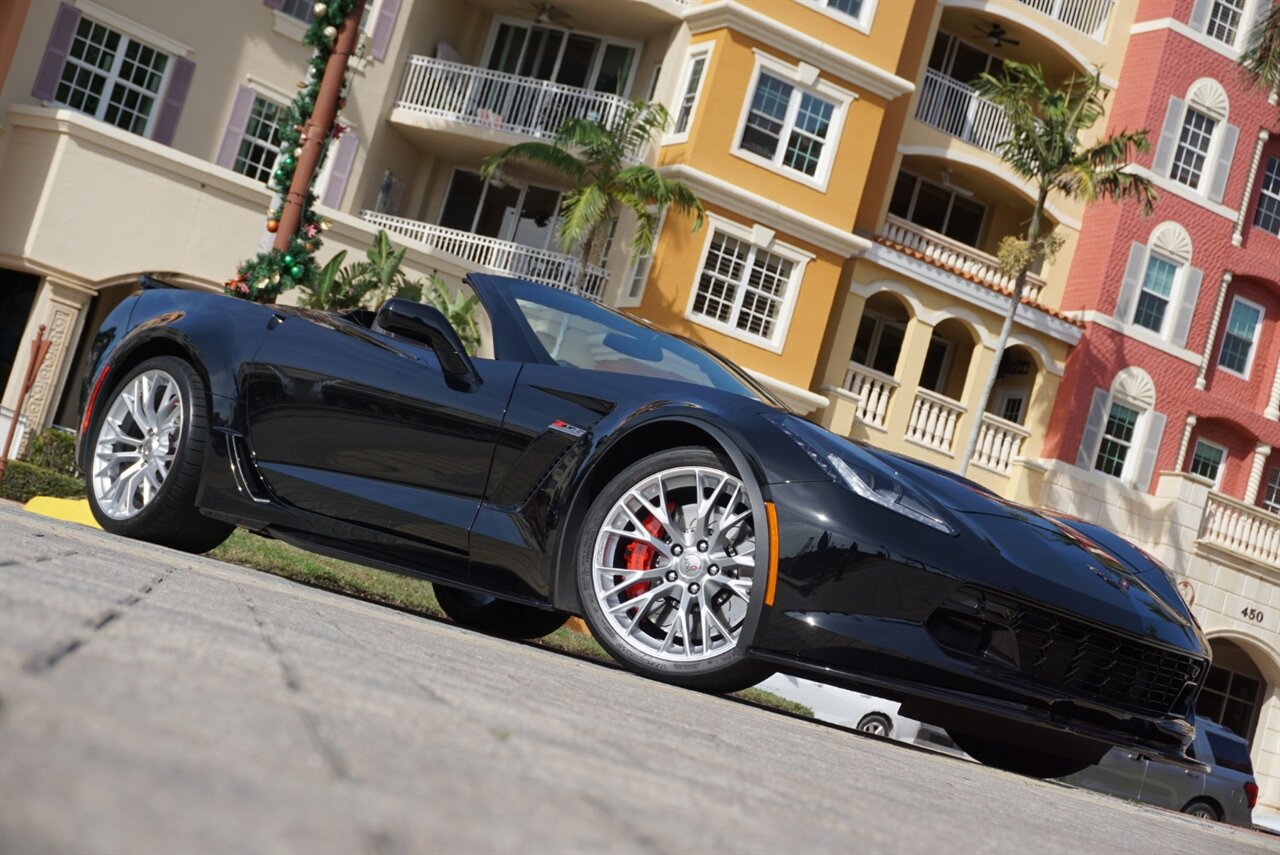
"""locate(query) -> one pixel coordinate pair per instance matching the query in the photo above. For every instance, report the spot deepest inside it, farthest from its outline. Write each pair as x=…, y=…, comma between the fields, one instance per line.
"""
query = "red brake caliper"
x=642, y=556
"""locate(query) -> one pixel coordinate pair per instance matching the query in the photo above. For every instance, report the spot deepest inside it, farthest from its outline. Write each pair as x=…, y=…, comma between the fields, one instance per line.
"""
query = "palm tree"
x=598, y=160
x=1045, y=149
x=1261, y=59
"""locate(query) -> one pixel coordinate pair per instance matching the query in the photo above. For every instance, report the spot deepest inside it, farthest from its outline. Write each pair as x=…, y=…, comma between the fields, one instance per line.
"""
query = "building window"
x=743, y=288
x=1117, y=439
x=1229, y=698
x=878, y=342
x=944, y=210
x=1268, y=216
x=261, y=141
x=300, y=9
x=1012, y=405
x=787, y=125
x=1193, y=148
x=111, y=77
x=1224, y=20
x=692, y=87
x=1271, y=493
x=1242, y=333
x=853, y=13
x=570, y=57
x=1206, y=461
x=1157, y=287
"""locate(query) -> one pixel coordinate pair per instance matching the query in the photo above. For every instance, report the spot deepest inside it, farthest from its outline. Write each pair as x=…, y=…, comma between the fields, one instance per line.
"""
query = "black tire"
x=876, y=724
x=497, y=617
x=729, y=671
x=1204, y=809
x=171, y=518
x=1021, y=760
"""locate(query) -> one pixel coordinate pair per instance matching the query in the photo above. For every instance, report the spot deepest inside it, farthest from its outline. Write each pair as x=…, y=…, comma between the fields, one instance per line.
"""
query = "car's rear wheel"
x=669, y=572
x=1202, y=809
x=498, y=617
x=148, y=448
x=875, y=724
x=1024, y=761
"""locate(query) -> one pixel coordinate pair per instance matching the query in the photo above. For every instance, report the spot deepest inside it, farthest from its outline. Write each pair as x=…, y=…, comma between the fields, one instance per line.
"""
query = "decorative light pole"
x=307, y=125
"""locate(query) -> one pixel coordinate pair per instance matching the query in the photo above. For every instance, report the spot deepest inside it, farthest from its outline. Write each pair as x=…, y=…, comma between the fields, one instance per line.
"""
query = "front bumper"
x=859, y=593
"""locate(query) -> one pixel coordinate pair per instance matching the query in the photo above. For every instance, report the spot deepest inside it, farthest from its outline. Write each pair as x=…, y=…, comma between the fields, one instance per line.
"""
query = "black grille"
x=1088, y=661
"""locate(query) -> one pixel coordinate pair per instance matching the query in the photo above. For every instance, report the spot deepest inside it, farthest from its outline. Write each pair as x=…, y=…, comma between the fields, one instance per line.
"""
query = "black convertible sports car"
x=584, y=463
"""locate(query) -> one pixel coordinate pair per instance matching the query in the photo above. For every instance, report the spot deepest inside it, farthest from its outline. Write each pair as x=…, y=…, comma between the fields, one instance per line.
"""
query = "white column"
x=1273, y=403
x=1260, y=455
x=1237, y=236
x=59, y=305
x=1186, y=440
x=1213, y=329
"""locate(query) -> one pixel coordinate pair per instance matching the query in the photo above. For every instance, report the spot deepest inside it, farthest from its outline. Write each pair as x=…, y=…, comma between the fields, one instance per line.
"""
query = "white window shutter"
x=1200, y=15
x=1150, y=449
x=1187, y=307
x=1168, y=137
x=1132, y=282
x=1222, y=168
x=343, y=159
x=241, y=107
x=1092, y=429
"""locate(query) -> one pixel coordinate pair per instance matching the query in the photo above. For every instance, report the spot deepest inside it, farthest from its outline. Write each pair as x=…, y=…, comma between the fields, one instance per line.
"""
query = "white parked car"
x=845, y=707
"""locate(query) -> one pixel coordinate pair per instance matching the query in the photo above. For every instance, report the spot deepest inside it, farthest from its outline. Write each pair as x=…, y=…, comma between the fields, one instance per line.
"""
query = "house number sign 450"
x=1254, y=615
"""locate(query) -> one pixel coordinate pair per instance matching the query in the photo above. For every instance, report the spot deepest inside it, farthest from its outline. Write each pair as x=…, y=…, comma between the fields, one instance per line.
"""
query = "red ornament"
x=272, y=225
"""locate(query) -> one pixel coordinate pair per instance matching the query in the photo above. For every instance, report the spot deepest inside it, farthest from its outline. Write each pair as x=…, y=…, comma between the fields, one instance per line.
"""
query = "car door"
x=1120, y=773
x=365, y=428
x=1173, y=786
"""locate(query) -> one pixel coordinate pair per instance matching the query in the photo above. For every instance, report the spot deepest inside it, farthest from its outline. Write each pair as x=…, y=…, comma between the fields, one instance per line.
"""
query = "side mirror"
x=426, y=325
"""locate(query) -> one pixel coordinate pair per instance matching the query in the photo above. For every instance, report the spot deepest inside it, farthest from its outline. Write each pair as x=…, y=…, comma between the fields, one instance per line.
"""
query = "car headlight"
x=873, y=483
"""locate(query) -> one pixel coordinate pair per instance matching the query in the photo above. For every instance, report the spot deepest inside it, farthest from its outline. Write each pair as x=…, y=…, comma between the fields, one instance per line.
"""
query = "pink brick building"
x=1167, y=421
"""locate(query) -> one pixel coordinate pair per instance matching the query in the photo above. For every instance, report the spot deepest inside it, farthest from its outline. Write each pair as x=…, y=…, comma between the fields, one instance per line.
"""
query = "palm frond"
x=558, y=160
x=582, y=213
x=1261, y=58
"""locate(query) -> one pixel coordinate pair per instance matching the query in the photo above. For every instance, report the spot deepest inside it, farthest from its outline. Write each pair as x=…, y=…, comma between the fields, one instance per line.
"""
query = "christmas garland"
x=268, y=274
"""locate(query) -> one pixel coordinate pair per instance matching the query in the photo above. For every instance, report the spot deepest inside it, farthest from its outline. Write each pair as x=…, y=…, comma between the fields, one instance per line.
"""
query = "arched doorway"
x=880, y=333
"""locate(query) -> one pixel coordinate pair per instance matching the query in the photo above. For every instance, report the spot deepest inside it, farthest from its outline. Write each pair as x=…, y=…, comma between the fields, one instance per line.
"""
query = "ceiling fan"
x=545, y=13
x=996, y=34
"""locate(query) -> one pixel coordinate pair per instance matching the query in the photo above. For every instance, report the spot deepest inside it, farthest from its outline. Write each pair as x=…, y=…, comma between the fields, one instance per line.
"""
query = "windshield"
x=581, y=334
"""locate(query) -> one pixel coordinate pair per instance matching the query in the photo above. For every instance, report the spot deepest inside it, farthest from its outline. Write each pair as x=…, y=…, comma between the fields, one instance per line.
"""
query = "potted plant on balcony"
x=598, y=161
x=1045, y=149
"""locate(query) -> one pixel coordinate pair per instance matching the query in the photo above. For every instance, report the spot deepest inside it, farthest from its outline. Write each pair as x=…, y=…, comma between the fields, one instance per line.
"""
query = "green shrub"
x=22, y=482
x=54, y=449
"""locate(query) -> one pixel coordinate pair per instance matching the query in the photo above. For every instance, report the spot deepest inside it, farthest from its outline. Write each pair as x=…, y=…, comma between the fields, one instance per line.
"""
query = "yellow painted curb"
x=71, y=510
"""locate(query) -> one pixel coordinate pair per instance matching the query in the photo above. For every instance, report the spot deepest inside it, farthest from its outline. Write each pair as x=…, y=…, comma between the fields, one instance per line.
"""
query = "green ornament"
x=288, y=160
x=278, y=175
x=296, y=271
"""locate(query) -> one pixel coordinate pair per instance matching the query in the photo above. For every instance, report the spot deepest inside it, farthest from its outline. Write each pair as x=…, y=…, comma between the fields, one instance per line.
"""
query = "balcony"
x=1245, y=530
x=1089, y=17
x=999, y=443
x=933, y=422
x=873, y=391
x=499, y=256
x=956, y=109
x=971, y=263
x=493, y=103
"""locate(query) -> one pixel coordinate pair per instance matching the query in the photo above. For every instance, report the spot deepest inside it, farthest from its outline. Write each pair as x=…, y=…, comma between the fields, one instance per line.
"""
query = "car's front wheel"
x=670, y=573
x=1025, y=761
x=148, y=448
x=875, y=724
x=498, y=617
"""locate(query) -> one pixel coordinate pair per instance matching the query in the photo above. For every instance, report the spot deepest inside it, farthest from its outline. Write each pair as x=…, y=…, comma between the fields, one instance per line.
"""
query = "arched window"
x=1160, y=286
x=1196, y=143
x=1122, y=433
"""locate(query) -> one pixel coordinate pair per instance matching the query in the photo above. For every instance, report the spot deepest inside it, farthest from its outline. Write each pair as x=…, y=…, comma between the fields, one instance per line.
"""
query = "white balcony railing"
x=955, y=108
x=999, y=442
x=873, y=389
x=1240, y=528
x=498, y=101
x=501, y=256
x=1086, y=16
x=945, y=252
x=933, y=420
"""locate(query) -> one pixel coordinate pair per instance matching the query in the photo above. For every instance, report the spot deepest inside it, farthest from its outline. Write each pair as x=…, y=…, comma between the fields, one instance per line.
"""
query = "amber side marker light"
x=771, y=586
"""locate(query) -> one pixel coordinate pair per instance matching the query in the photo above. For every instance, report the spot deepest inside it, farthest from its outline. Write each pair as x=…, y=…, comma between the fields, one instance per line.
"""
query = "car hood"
x=1100, y=575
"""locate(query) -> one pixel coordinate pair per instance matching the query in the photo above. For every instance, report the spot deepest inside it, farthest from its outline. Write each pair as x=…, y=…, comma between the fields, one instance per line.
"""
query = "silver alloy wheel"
x=136, y=444
x=674, y=563
x=1202, y=811
x=874, y=726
